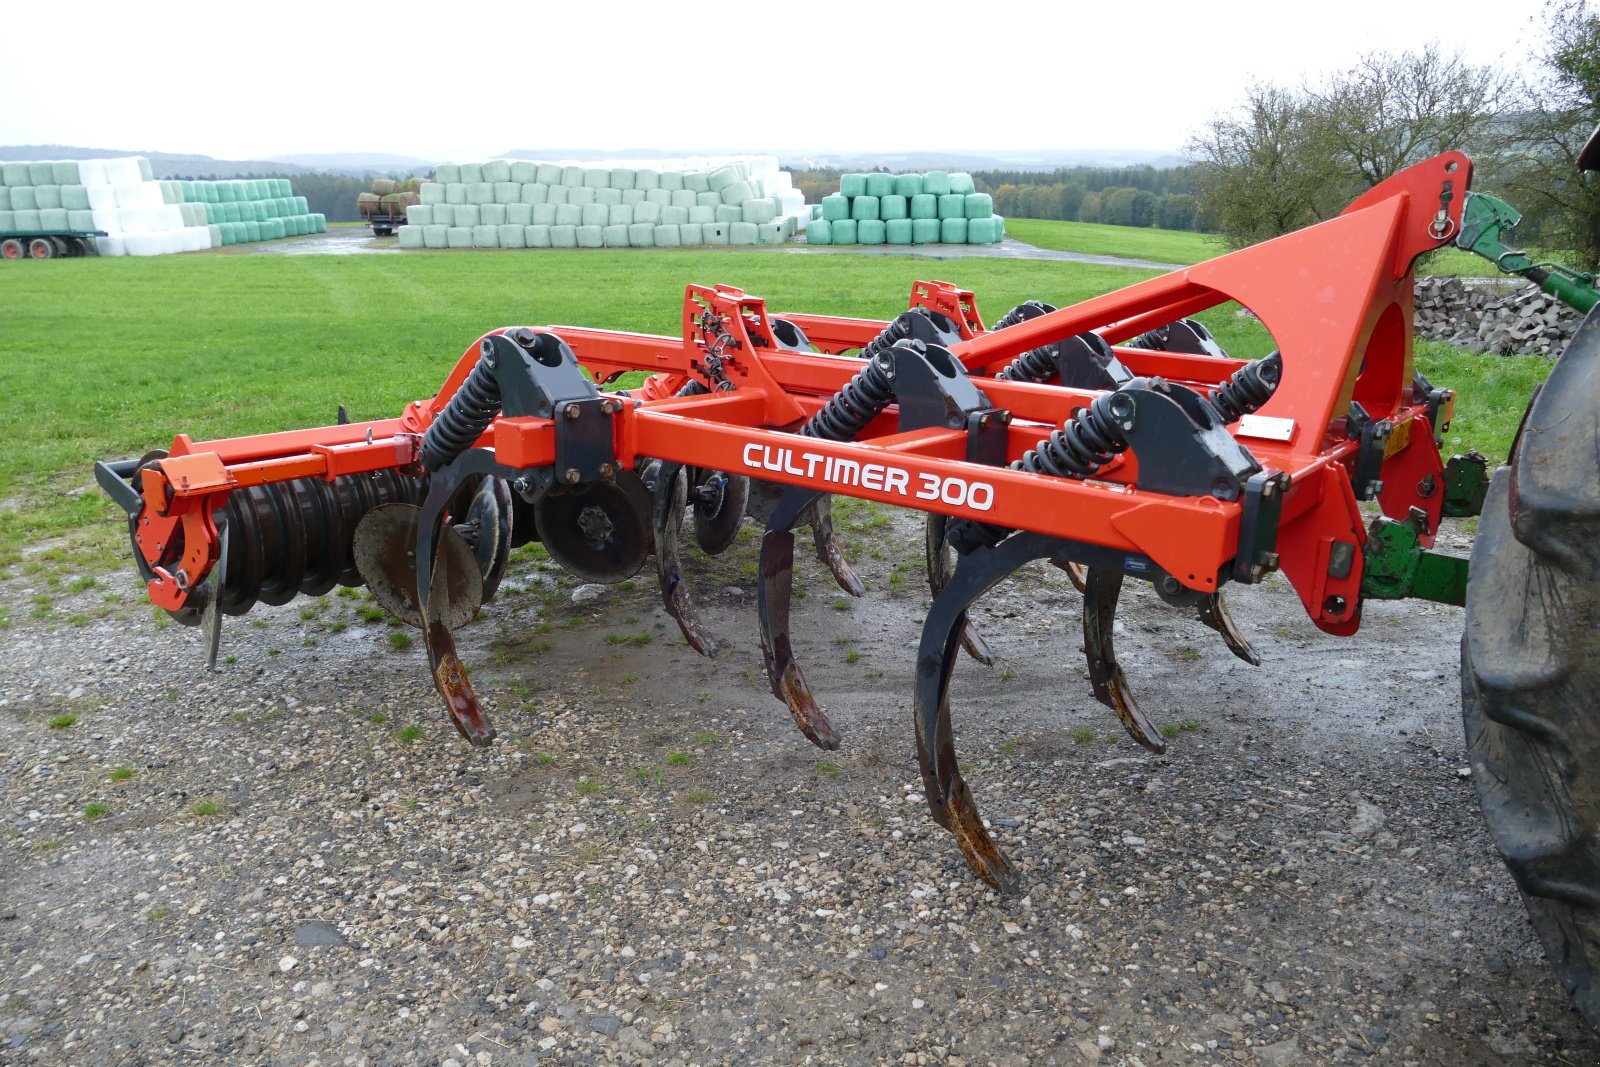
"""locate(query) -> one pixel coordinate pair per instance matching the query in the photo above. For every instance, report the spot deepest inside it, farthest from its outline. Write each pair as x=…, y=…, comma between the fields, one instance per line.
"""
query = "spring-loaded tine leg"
x=950, y=800
x=1102, y=588
x=1213, y=611
x=671, y=497
x=211, y=618
x=938, y=561
x=433, y=598
x=821, y=520
x=777, y=581
x=1075, y=573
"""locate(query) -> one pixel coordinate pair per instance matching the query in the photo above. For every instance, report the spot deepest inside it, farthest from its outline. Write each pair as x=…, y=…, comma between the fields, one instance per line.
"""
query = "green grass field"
x=109, y=358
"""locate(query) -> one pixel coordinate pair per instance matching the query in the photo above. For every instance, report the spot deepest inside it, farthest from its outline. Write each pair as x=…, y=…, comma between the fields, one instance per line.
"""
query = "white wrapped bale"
x=447, y=174
x=728, y=213
x=480, y=193
x=619, y=215
x=758, y=211
x=563, y=237
x=144, y=244
x=708, y=199
x=671, y=181
x=411, y=236
x=608, y=197
x=111, y=245
x=691, y=234
x=512, y=235
x=596, y=178
x=591, y=237
x=492, y=214
x=519, y=215
x=545, y=214
x=432, y=193
x=485, y=237
x=419, y=215
x=695, y=182
x=548, y=174
x=675, y=216
x=459, y=237
x=715, y=233
x=92, y=172
x=471, y=173
x=534, y=193
x=523, y=174
x=697, y=213
x=666, y=236
x=507, y=192
x=623, y=178
x=568, y=215
x=770, y=233
x=469, y=215
x=107, y=219
x=171, y=192
x=645, y=179
x=633, y=196
x=581, y=194
x=721, y=178
x=647, y=212
x=595, y=215
x=558, y=194
x=538, y=236
x=455, y=193
x=436, y=236
x=641, y=235
x=572, y=178
x=658, y=196
x=615, y=236
x=121, y=171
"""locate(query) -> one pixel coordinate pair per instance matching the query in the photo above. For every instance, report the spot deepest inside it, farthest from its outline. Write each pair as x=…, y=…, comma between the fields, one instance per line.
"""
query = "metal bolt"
x=1334, y=605
x=572, y=476
x=1426, y=487
x=522, y=485
x=608, y=470
x=572, y=411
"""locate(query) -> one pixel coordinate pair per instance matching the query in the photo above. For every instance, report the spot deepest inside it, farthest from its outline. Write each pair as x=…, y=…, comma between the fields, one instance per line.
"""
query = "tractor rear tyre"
x=11, y=248
x=42, y=248
x=1530, y=666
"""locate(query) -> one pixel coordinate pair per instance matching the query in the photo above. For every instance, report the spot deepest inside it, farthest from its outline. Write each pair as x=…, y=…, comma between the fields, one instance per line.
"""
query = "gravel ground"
x=295, y=860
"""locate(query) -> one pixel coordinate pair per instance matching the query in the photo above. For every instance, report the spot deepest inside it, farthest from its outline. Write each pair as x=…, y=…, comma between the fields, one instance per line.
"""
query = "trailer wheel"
x=11, y=248
x=42, y=248
x=1530, y=667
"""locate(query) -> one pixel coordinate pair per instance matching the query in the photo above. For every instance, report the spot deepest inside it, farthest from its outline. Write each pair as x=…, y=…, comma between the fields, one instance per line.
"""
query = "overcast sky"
x=473, y=79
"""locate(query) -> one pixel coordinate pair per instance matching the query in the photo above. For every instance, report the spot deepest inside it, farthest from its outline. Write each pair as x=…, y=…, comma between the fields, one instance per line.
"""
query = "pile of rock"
x=1488, y=315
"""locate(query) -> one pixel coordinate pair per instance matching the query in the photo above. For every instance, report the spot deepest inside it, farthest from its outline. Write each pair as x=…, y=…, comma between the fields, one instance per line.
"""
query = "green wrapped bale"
x=721, y=178
x=485, y=237
x=41, y=173
x=80, y=219
x=924, y=206
x=936, y=182
x=953, y=231
x=880, y=185
x=533, y=193
x=701, y=214
x=568, y=215
x=5, y=199
x=952, y=206
x=619, y=215
x=64, y=172
x=852, y=185
x=591, y=237
x=624, y=178
x=558, y=194
x=820, y=232
x=15, y=174
x=455, y=194
x=727, y=213
x=715, y=233
x=666, y=235
x=524, y=173
x=897, y=231
x=741, y=233
x=650, y=213
x=435, y=236
x=614, y=236
x=672, y=181
x=677, y=216
x=497, y=170
x=432, y=193
x=758, y=211
x=770, y=233
x=908, y=185
x=24, y=198
x=299, y=227
x=471, y=173
x=844, y=231
x=961, y=182
x=864, y=208
x=539, y=236
x=691, y=234
x=633, y=197
x=608, y=197
x=738, y=193
x=53, y=218
x=596, y=178
x=571, y=178
x=480, y=193
x=507, y=192
x=595, y=215
x=8, y=219
x=685, y=198
x=641, y=234
x=511, y=235
x=870, y=231
x=835, y=207
x=978, y=206
x=27, y=218
x=493, y=215
x=319, y=222
x=892, y=207
x=562, y=237
x=924, y=231
x=545, y=214
x=999, y=227
x=980, y=231
x=695, y=182
x=419, y=215
x=645, y=179
x=581, y=195
x=47, y=197
x=548, y=174
x=469, y=215
x=74, y=198
x=519, y=215
x=459, y=237
x=708, y=199
x=660, y=197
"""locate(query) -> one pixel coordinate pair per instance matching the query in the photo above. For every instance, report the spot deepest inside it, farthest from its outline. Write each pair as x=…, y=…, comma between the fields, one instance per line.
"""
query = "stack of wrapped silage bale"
x=142, y=216
x=906, y=209
x=607, y=204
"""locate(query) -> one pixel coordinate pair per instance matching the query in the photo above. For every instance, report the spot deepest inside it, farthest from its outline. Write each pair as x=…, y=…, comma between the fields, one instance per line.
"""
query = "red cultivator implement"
x=1111, y=438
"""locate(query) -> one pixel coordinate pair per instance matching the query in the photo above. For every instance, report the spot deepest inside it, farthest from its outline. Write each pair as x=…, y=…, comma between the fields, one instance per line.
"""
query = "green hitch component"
x=1485, y=219
x=1466, y=483
x=1398, y=567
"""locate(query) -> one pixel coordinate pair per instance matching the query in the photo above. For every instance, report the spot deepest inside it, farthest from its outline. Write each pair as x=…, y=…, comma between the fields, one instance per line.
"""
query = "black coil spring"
x=1037, y=365
x=692, y=388
x=464, y=418
x=1028, y=309
x=898, y=330
x=1249, y=387
x=862, y=399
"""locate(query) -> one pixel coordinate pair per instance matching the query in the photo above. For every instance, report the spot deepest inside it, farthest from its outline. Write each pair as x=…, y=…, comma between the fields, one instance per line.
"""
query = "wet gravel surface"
x=296, y=861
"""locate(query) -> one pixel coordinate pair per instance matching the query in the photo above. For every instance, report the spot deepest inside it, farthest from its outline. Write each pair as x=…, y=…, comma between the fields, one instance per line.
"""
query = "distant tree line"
x=1131, y=196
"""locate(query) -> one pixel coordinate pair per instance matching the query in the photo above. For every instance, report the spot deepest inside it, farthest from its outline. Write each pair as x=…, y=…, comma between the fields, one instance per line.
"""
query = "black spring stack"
x=465, y=417
x=291, y=538
x=900, y=329
x=1028, y=309
x=1249, y=387
x=862, y=399
x=1037, y=365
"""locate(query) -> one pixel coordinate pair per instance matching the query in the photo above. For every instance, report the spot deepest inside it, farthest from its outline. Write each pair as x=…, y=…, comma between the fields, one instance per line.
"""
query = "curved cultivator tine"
x=454, y=584
x=1076, y=574
x=671, y=498
x=820, y=516
x=938, y=561
x=1102, y=588
x=1213, y=611
x=777, y=582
